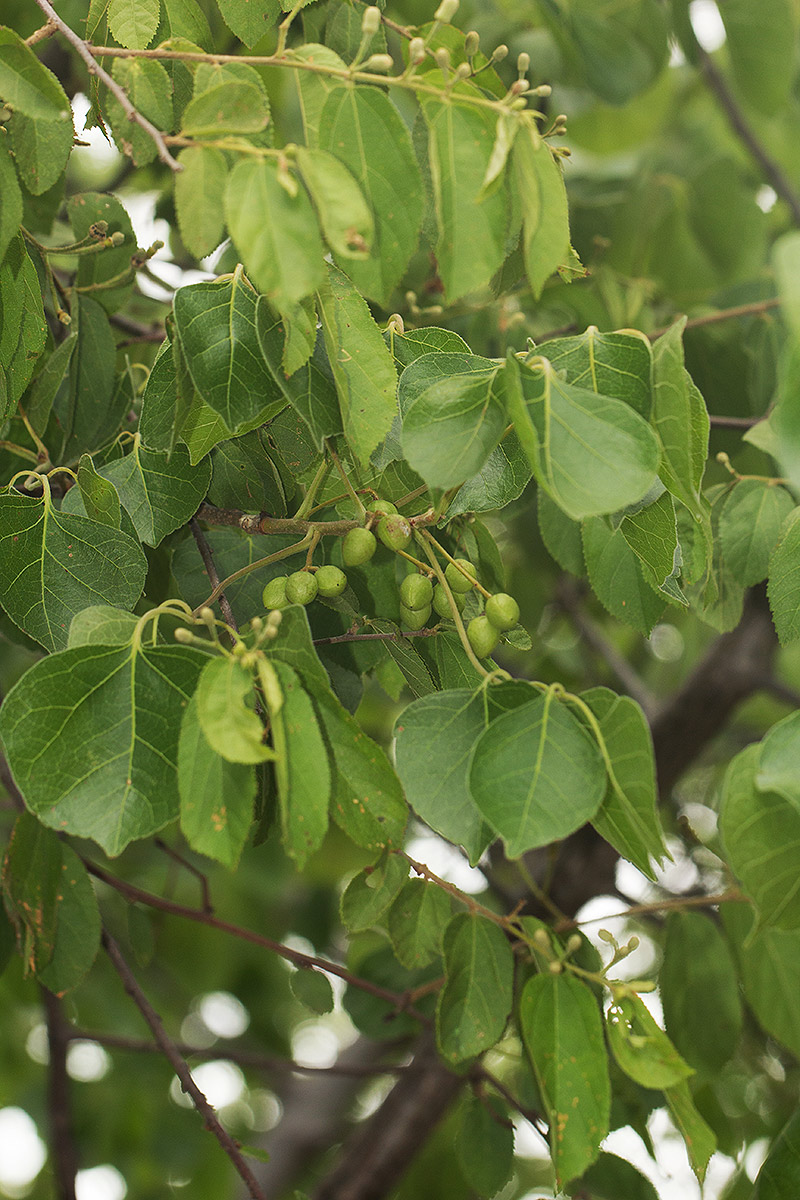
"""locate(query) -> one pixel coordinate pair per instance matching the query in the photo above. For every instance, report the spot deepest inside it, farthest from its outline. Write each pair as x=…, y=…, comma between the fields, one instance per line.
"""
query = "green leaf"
x=275, y=232
x=785, y=258
x=593, y=454
x=309, y=390
x=780, y=752
x=149, y=88
x=41, y=150
x=345, y=217
x=484, y=1146
x=761, y=835
x=640, y=1046
x=417, y=921
x=216, y=326
x=84, y=210
x=301, y=768
x=618, y=577
x=216, y=794
x=442, y=729
x=93, y=409
x=475, y=1001
x=610, y=1178
x=453, y=416
x=90, y=743
x=769, y=968
x=700, y=992
x=159, y=491
x=369, y=894
x=78, y=928
x=405, y=655
x=185, y=20
x=245, y=476
x=313, y=989
x=102, y=625
x=783, y=587
x=26, y=85
x=472, y=227
x=44, y=386
x=611, y=364
x=628, y=817
x=780, y=1173
x=543, y=199
x=134, y=22
x=199, y=194
x=362, y=128
x=233, y=106
x=561, y=535
x=700, y=1139
x=749, y=527
x=410, y=345
x=652, y=534
x=313, y=90
x=231, y=727
x=55, y=564
x=536, y=775
x=563, y=1034
x=10, y=201
x=362, y=366
x=761, y=46
x=249, y=20
x=681, y=422
x=23, y=328
x=100, y=497
x=31, y=879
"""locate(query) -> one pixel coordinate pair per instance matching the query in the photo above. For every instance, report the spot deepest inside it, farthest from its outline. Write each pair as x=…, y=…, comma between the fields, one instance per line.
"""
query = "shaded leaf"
x=416, y=922
x=159, y=491
x=699, y=991
x=475, y=1001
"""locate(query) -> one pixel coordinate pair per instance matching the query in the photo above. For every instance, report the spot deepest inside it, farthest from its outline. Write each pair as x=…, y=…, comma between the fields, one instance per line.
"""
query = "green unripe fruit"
x=331, y=581
x=414, y=618
x=416, y=591
x=358, y=547
x=394, y=531
x=301, y=588
x=382, y=506
x=274, y=594
x=483, y=637
x=442, y=605
x=454, y=577
x=503, y=611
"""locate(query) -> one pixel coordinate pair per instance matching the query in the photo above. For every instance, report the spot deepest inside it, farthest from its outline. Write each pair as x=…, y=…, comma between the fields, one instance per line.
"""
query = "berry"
x=274, y=594
x=503, y=611
x=483, y=637
x=442, y=605
x=416, y=592
x=454, y=577
x=301, y=588
x=394, y=531
x=382, y=506
x=331, y=581
x=414, y=618
x=358, y=547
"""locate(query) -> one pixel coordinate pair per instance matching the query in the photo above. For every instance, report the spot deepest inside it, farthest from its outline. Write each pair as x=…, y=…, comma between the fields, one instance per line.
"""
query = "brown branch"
x=179, y=1065
x=62, y=1135
x=205, y=891
x=755, y=309
x=733, y=422
x=398, y=1000
x=119, y=93
x=138, y=331
x=377, y=637
x=207, y=556
x=44, y=31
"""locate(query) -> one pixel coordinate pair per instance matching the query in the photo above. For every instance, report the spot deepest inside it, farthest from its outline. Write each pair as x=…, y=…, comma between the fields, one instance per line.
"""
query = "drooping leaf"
x=475, y=1000
x=199, y=193
x=148, y=86
x=563, y=1034
x=640, y=1046
x=230, y=726
x=484, y=1146
x=543, y=198
x=610, y=1177
x=783, y=588
x=92, y=411
x=313, y=989
x=618, y=577
x=699, y=991
x=10, y=201
x=417, y=921
x=681, y=422
x=652, y=533
x=344, y=214
x=536, y=775
x=100, y=497
x=26, y=85
x=310, y=390
x=769, y=969
x=369, y=894
x=91, y=742
x=31, y=879
x=700, y=1139
x=23, y=328
x=159, y=491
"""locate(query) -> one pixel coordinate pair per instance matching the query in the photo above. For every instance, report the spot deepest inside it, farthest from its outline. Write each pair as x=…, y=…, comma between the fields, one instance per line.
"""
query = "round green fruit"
x=442, y=605
x=394, y=531
x=416, y=591
x=358, y=547
x=414, y=618
x=483, y=637
x=331, y=581
x=274, y=593
x=382, y=506
x=454, y=577
x=503, y=611
x=301, y=588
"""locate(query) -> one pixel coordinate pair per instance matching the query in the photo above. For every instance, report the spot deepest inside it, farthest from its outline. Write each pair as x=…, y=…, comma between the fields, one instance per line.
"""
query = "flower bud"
x=371, y=21
x=442, y=57
x=543, y=89
x=523, y=61
x=379, y=62
x=446, y=11
x=499, y=53
x=183, y=635
x=416, y=49
x=472, y=43
x=463, y=71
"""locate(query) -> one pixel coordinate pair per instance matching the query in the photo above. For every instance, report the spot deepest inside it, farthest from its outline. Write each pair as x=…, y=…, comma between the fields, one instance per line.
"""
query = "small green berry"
x=301, y=588
x=394, y=531
x=382, y=506
x=503, y=611
x=483, y=637
x=442, y=605
x=416, y=591
x=331, y=581
x=455, y=578
x=274, y=594
x=358, y=547
x=414, y=618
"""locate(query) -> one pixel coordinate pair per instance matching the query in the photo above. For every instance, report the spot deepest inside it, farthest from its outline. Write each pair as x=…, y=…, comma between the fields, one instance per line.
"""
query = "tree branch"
x=211, y=571
x=180, y=1066
x=62, y=1135
x=119, y=93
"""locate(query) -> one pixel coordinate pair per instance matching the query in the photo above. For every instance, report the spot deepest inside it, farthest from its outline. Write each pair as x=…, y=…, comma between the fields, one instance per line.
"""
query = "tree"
x=441, y=512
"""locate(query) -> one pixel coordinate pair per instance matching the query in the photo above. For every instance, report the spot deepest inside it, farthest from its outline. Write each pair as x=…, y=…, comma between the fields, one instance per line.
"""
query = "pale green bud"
x=446, y=11
x=371, y=21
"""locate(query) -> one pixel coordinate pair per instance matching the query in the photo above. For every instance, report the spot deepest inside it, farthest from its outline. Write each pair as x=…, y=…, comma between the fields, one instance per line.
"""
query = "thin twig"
x=398, y=1000
x=44, y=31
x=396, y=636
x=732, y=895
x=205, y=891
x=138, y=331
x=62, y=1135
x=733, y=422
x=179, y=1065
x=207, y=556
x=119, y=93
